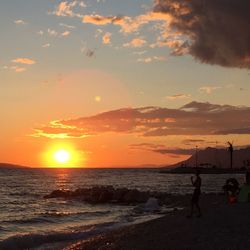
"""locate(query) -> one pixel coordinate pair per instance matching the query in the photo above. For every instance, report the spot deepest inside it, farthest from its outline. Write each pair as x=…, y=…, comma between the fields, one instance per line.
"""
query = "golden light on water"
x=63, y=155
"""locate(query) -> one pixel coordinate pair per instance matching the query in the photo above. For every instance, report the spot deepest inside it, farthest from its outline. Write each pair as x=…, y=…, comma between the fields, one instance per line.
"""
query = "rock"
x=106, y=194
x=152, y=205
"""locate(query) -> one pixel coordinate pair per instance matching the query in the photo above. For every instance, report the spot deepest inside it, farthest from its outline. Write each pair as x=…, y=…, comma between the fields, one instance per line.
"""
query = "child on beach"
x=196, y=194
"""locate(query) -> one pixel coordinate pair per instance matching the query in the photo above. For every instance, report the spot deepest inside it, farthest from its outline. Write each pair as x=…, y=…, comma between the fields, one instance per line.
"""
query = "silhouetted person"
x=231, y=189
x=196, y=194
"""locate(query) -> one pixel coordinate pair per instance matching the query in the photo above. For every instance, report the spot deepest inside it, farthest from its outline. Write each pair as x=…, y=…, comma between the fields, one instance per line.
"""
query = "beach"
x=222, y=226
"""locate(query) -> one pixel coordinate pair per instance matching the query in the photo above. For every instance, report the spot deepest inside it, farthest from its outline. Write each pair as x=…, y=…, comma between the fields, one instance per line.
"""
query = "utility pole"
x=216, y=154
x=231, y=149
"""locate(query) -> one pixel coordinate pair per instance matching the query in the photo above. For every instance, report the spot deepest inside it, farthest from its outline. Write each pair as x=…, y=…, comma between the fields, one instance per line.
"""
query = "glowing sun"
x=62, y=156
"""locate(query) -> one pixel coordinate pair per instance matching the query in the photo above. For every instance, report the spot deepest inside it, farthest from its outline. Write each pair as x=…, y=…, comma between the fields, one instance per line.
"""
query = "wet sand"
x=222, y=226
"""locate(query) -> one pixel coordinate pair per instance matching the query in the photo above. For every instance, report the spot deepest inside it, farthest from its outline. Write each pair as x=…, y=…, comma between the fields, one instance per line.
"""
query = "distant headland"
x=213, y=161
x=9, y=165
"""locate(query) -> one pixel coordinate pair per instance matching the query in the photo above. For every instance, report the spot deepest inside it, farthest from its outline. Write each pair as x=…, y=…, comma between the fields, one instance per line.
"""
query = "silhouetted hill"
x=8, y=165
x=217, y=158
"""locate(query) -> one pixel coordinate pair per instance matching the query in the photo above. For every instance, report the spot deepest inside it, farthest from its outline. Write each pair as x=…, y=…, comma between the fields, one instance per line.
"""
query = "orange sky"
x=121, y=83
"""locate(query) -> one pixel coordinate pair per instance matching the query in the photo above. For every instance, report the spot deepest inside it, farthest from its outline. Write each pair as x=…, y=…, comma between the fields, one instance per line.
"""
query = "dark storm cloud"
x=217, y=31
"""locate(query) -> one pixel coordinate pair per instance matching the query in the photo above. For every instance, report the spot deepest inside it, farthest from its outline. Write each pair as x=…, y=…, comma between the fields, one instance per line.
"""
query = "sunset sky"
x=122, y=83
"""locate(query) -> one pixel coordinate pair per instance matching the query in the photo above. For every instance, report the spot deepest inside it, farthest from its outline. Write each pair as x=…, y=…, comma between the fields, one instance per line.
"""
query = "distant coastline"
x=9, y=165
x=192, y=170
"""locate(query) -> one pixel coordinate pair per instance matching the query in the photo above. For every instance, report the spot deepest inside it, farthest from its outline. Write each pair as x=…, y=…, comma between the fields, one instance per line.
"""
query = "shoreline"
x=222, y=226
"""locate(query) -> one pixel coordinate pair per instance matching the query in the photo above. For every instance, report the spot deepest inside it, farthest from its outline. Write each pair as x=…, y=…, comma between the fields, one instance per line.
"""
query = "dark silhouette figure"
x=231, y=189
x=196, y=194
x=230, y=149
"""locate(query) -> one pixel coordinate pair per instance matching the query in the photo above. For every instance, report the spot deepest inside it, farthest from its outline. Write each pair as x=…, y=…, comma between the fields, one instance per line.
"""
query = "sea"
x=29, y=221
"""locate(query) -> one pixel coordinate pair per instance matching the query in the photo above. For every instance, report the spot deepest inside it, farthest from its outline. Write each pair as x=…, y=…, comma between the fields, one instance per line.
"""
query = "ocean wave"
x=24, y=193
x=66, y=214
x=27, y=221
x=21, y=242
x=52, y=217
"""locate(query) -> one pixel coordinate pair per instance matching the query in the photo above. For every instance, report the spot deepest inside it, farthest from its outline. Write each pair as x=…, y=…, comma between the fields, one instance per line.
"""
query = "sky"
x=122, y=83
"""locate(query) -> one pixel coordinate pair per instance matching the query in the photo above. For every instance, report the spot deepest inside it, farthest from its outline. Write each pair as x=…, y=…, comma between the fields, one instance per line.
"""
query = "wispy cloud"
x=52, y=32
x=20, y=21
x=178, y=96
x=65, y=33
x=161, y=149
x=66, y=8
x=67, y=26
x=46, y=45
x=106, y=38
x=24, y=61
x=139, y=52
x=135, y=43
x=208, y=89
x=127, y=24
x=18, y=69
x=151, y=59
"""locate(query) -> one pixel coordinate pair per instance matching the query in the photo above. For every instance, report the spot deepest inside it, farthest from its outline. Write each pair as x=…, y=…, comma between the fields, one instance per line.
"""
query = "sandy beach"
x=222, y=226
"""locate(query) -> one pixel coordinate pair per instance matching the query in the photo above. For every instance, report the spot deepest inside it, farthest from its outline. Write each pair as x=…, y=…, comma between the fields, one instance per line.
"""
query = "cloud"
x=24, y=61
x=193, y=141
x=82, y=4
x=208, y=89
x=52, y=32
x=214, y=32
x=126, y=23
x=151, y=59
x=46, y=45
x=66, y=8
x=161, y=149
x=65, y=33
x=146, y=146
x=194, y=118
x=135, y=43
x=139, y=52
x=175, y=151
x=18, y=69
x=178, y=96
x=20, y=21
x=67, y=26
x=106, y=38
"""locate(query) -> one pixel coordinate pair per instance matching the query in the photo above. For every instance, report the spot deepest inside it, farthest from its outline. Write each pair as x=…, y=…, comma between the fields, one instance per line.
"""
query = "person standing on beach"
x=196, y=194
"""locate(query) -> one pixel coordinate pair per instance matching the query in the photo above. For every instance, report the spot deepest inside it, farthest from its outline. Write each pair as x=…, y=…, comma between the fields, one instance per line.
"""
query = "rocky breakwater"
x=109, y=194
